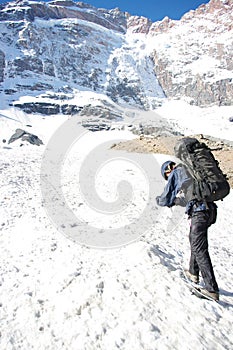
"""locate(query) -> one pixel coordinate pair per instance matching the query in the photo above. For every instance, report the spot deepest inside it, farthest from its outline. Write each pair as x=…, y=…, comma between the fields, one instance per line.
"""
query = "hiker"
x=202, y=214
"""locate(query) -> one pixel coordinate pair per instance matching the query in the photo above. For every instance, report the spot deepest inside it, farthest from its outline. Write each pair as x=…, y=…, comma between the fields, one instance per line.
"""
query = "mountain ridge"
x=52, y=52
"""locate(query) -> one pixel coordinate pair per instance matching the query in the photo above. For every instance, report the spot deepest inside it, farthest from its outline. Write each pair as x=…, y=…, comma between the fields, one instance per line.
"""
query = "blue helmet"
x=165, y=167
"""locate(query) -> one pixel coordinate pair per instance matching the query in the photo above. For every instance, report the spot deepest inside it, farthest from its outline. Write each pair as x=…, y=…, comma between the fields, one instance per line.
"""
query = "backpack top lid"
x=186, y=145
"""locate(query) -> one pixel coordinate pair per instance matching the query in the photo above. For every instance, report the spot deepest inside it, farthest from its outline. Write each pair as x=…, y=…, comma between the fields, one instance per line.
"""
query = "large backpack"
x=209, y=182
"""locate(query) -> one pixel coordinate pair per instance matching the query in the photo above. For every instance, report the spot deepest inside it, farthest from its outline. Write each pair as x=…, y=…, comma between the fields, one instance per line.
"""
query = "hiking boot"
x=212, y=295
x=191, y=277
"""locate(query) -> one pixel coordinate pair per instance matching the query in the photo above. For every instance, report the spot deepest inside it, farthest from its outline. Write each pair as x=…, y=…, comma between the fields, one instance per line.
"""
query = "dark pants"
x=200, y=259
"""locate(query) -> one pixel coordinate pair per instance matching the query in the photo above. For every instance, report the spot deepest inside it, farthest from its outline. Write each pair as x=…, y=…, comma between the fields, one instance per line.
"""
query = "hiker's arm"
x=167, y=198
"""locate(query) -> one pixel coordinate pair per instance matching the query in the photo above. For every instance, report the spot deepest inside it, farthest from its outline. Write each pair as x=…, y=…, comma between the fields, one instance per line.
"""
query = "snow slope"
x=57, y=294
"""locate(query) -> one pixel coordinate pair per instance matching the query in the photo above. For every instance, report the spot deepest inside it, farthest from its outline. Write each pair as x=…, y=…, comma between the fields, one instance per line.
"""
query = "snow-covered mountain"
x=193, y=56
x=52, y=53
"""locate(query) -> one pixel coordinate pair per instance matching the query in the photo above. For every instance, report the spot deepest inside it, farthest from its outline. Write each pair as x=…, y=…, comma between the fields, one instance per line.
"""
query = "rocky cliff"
x=52, y=52
x=194, y=55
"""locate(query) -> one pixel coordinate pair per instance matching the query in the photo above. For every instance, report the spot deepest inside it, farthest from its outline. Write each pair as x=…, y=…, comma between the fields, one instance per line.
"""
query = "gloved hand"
x=180, y=201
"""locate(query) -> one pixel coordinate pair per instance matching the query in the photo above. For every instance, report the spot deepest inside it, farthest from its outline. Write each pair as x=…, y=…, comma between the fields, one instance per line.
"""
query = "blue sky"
x=153, y=9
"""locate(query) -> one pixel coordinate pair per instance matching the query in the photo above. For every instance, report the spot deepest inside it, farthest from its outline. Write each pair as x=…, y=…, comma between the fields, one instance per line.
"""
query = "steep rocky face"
x=139, y=24
x=195, y=59
x=50, y=52
x=2, y=65
x=62, y=45
x=24, y=10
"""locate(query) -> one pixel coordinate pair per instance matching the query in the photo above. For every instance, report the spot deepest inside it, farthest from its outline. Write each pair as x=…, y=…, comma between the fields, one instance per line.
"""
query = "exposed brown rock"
x=139, y=24
x=162, y=26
